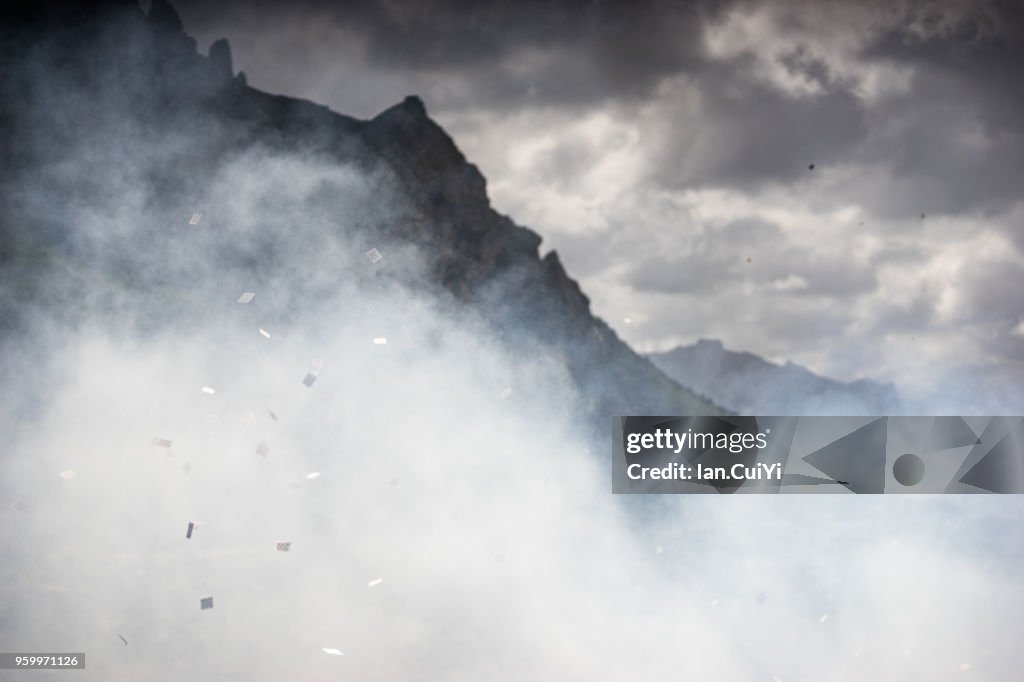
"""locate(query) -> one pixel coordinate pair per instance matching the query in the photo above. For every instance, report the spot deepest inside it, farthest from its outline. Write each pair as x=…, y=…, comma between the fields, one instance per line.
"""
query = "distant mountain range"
x=751, y=385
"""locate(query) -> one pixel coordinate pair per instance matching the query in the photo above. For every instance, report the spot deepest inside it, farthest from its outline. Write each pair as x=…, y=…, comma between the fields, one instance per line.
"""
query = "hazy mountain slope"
x=117, y=130
x=751, y=385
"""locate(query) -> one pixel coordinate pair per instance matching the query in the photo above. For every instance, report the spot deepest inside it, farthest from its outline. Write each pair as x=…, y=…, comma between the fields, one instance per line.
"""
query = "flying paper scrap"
x=206, y=603
x=246, y=297
x=314, y=474
x=68, y=475
x=196, y=217
x=380, y=341
x=376, y=582
x=373, y=255
x=262, y=449
x=264, y=333
x=162, y=442
x=272, y=415
x=208, y=390
x=188, y=533
x=283, y=546
x=333, y=652
x=247, y=418
x=309, y=380
x=506, y=392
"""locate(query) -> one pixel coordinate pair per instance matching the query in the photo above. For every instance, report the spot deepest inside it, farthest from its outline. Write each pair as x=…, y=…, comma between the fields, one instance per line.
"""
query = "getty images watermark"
x=837, y=455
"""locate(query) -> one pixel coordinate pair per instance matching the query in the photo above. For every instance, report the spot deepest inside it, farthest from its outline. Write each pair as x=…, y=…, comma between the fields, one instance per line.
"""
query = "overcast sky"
x=664, y=149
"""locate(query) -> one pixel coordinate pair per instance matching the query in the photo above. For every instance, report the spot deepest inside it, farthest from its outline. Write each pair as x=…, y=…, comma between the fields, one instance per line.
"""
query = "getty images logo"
x=665, y=439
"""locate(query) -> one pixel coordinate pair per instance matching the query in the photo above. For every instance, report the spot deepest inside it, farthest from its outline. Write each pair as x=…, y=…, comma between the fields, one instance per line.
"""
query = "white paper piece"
x=246, y=297
x=208, y=390
x=376, y=582
x=333, y=652
x=264, y=333
x=380, y=341
x=247, y=418
x=313, y=474
x=506, y=392
x=374, y=255
x=965, y=666
x=823, y=618
x=162, y=442
x=67, y=475
x=196, y=217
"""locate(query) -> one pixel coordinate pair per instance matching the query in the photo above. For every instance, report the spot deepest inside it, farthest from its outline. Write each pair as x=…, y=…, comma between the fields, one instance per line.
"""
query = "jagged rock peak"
x=220, y=59
x=411, y=107
x=414, y=105
x=163, y=16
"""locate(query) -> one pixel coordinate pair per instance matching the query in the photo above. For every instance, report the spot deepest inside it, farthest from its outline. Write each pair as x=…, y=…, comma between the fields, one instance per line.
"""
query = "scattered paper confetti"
x=206, y=603
x=380, y=341
x=284, y=546
x=394, y=480
x=20, y=507
x=375, y=582
x=659, y=549
x=272, y=415
x=68, y=475
x=811, y=167
x=714, y=603
x=264, y=333
x=188, y=533
x=761, y=598
x=196, y=217
x=823, y=618
x=628, y=321
x=246, y=297
x=965, y=666
x=318, y=364
x=187, y=468
x=312, y=475
x=162, y=442
x=123, y=639
x=262, y=449
x=247, y=418
x=208, y=390
x=333, y=652
x=309, y=380
x=506, y=392
x=374, y=255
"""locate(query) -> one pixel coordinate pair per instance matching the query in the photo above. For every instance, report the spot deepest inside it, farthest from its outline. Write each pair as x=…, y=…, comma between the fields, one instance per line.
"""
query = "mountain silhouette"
x=749, y=384
x=107, y=109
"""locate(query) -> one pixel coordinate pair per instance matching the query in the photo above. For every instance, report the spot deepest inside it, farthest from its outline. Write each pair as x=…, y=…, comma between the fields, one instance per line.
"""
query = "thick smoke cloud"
x=502, y=552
